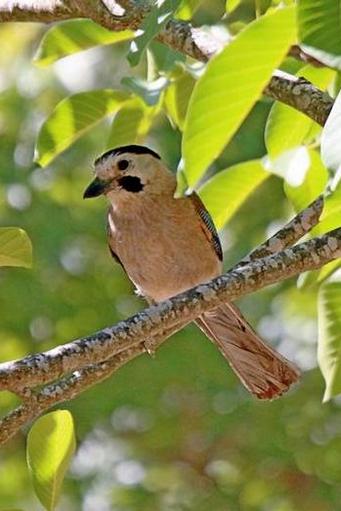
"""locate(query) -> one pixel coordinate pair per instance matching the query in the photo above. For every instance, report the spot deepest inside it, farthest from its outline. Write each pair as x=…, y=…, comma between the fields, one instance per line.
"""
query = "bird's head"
x=128, y=171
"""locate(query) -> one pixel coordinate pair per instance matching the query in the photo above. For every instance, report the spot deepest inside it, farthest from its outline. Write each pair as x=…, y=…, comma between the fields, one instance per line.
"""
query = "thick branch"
x=300, y=94
x=44, y=11
x=65, y=389
x=49, y=11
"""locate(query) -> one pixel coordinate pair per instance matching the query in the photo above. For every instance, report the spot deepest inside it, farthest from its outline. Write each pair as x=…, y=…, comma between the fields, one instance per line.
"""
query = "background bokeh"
x=174, y=432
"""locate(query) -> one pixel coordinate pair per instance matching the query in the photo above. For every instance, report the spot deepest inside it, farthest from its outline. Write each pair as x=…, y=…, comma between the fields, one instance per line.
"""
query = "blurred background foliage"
x=176, y=432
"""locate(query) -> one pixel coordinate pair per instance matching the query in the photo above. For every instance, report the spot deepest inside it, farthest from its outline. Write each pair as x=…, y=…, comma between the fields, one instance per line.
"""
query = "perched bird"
x=167, y=245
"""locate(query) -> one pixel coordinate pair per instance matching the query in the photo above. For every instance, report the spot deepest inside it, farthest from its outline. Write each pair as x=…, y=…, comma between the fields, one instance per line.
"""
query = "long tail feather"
x=263, y=371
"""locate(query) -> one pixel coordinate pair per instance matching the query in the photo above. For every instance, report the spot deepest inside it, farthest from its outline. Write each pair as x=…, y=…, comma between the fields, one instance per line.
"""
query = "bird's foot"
x=149, y=347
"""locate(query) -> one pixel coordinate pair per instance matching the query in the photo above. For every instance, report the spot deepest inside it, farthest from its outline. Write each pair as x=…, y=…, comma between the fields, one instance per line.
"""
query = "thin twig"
x=288, y=235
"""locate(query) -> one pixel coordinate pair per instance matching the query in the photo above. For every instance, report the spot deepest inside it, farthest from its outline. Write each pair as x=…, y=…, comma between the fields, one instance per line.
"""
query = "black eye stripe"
x=123, y=164
x=131, y=183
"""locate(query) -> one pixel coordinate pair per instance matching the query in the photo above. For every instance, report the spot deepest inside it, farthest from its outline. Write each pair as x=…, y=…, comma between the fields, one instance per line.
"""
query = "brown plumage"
x=168, y=245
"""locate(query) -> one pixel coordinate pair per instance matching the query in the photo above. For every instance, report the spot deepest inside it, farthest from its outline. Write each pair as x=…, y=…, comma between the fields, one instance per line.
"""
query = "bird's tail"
x=263, y=371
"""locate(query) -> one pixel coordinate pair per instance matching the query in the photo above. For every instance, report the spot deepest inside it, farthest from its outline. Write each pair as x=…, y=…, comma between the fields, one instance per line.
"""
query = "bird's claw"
x=149, y=347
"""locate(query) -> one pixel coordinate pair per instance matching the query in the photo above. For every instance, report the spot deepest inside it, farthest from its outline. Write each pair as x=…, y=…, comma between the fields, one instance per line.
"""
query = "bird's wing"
x=111, y=242
x=115, y=256
x=207, y=224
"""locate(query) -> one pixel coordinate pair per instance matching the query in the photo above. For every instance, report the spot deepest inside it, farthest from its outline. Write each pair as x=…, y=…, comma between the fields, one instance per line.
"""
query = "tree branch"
x=179, y=35
x=301, y=95
x=96, y=357
x=286, y=237
x=44, y=11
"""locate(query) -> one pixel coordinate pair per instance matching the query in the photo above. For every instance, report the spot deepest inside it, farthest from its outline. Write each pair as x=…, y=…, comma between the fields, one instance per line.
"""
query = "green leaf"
x=177, y=96
x=149, y=91
x=131, y=124
x=331, y=214
x=225, y=192
x=15, y=247
x=151, y=26
x=233, y=82
x=330, y=219
x=231, y=5
x=72, y=36
x=72, y=117
x=187, y=8
x=329, y=339
x=164, y=57
x=304, y=187
x=287, y=128
x=313, y=279
x=319, y=27
x=330, y=139
x=50, y=447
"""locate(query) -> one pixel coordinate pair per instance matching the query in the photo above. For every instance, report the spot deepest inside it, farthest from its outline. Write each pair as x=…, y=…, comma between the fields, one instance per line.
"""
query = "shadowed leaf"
x=131, y=124
x=15, y=247
x=151, y=26
x=319, y=26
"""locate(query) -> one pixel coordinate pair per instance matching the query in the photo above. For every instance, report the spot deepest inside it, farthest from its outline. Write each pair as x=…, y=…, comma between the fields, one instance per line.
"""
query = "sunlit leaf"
x=231, y=85
x=15, y=247
x=150, y=27
x=309, y=185
x=319, y=27
x=231, y=5
x=225, y=192
x=50, y=447
x=187, y=8
x=330, y=139
x=316, y=278
x=331, y=214
x=72, y=117
x=131, y=124
x=329, y=340
x=330, y=219
x=72, y=36
x=177, y=96
x=286, y=127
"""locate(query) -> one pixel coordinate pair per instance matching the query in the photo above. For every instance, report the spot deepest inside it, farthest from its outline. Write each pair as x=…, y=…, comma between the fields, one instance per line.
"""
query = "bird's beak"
x=95, y=188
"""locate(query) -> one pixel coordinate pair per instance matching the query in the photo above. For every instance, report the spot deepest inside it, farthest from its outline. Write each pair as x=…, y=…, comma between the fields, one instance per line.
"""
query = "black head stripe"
x=135, y=149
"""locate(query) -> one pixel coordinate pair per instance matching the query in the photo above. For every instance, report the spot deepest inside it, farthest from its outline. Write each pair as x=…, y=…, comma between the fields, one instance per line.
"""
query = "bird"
x=167, y=245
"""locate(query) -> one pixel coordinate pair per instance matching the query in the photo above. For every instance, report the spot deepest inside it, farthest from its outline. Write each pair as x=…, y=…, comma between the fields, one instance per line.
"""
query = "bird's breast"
x=163, y=250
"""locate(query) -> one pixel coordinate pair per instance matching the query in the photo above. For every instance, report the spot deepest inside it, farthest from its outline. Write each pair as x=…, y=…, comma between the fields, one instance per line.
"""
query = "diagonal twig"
x=288, y=235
